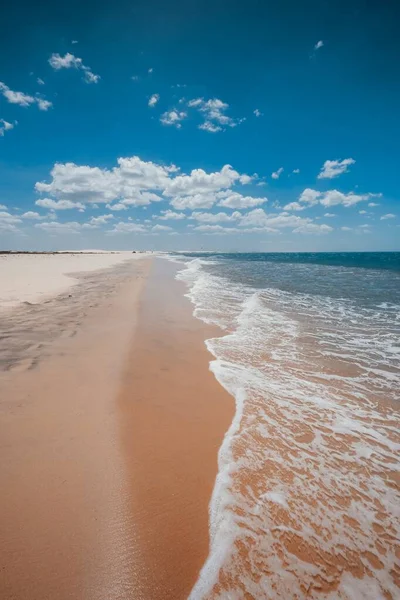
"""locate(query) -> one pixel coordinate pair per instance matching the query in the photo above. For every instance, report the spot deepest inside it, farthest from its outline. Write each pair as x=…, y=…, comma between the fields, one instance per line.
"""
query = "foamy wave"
x=306, y=503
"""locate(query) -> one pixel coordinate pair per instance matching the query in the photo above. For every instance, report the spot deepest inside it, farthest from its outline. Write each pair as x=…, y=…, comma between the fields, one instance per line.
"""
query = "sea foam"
x=306, y=503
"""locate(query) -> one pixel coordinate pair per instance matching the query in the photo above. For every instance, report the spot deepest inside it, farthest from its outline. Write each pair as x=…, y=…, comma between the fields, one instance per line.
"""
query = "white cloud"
x=203, y=200
x=55, y=227
x=135, y=78
x=40, y=81
x=74, y=42
x=43, y=104
x=161, y=228
x=6, y=126
x=150, y=70
x=123, y=227
x=388, y=216
x=170, y=215
x=346, y=228
x=9, y=222
x=153, y=100
x=259, y=218
x=201, y=182
x=313, y=228
x=214, y=113
x=366, y=226
x=362, y=212
x=329, y=215
x=7, y=218
x=257, y=112
x=217, y=229
x=3, y=207
x=173, y=117
x=69, y=61
x=215, y=217
x=58, y=204
x=210, y=127
x=334, y=168
x=133, y=182
x=318, y=45
x=277, y=173
x=31, y=215
x=294, y=206
x=235, y=200
x=117, y=207
x=100, y=220
x=310, y=196
x=331, y=197
x=23, y=99
x=373, y=204
x=296, y=171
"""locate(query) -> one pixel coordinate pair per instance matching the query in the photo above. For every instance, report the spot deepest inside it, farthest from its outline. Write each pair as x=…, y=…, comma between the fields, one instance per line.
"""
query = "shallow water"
x=307, y=500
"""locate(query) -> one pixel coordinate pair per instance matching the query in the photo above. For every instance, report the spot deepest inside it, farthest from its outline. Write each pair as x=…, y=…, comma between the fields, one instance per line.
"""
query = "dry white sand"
x=36, y=277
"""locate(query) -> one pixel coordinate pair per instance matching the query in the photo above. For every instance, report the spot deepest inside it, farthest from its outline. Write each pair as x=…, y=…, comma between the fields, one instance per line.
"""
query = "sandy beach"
x=110, y=427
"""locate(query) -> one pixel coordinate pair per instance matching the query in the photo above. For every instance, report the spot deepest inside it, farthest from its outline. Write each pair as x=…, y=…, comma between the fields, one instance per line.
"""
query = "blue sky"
x=194, y=124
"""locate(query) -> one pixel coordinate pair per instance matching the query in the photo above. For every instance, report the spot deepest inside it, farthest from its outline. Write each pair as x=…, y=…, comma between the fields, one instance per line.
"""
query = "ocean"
x=307, y=500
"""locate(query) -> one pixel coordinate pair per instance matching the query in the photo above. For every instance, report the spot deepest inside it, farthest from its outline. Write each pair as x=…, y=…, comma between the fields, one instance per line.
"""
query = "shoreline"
x=174, y=416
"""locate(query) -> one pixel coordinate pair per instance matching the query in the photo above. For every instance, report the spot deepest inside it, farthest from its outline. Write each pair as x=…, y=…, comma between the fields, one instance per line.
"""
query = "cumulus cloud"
x=101, y=220
x=40, y=81
x=294, y=206
x=309, y=196
x=210, y=127
x=58, y=204
x=318, y=45
x=257, y=112
x=9, y=222
x=329, y=215
x=31, y=215
x=127, y=227
x=313, y=228
x=173, y=117
x=331, y=198
x=153, y=100
x=23, y=99
x=334, y=197
x=217, y=229
x=54, y=227
x=373, y=204
x=215, y=217
x=170, y=215
x=200, y=182
x=296, y=171
x=229, y=199
x=6, y=126
x=134, y=182
x=388, y=216
x=69, y=61
x=157, y=228
x=214, y=113
x=277, y=173
x=334, y=168
x=9, y=219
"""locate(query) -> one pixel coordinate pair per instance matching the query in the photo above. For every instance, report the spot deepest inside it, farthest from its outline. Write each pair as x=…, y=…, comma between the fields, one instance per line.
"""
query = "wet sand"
x=109, y=442
x=174, y=416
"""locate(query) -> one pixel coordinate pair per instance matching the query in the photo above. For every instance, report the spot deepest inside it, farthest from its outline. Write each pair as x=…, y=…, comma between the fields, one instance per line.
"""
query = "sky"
x=199, y=124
